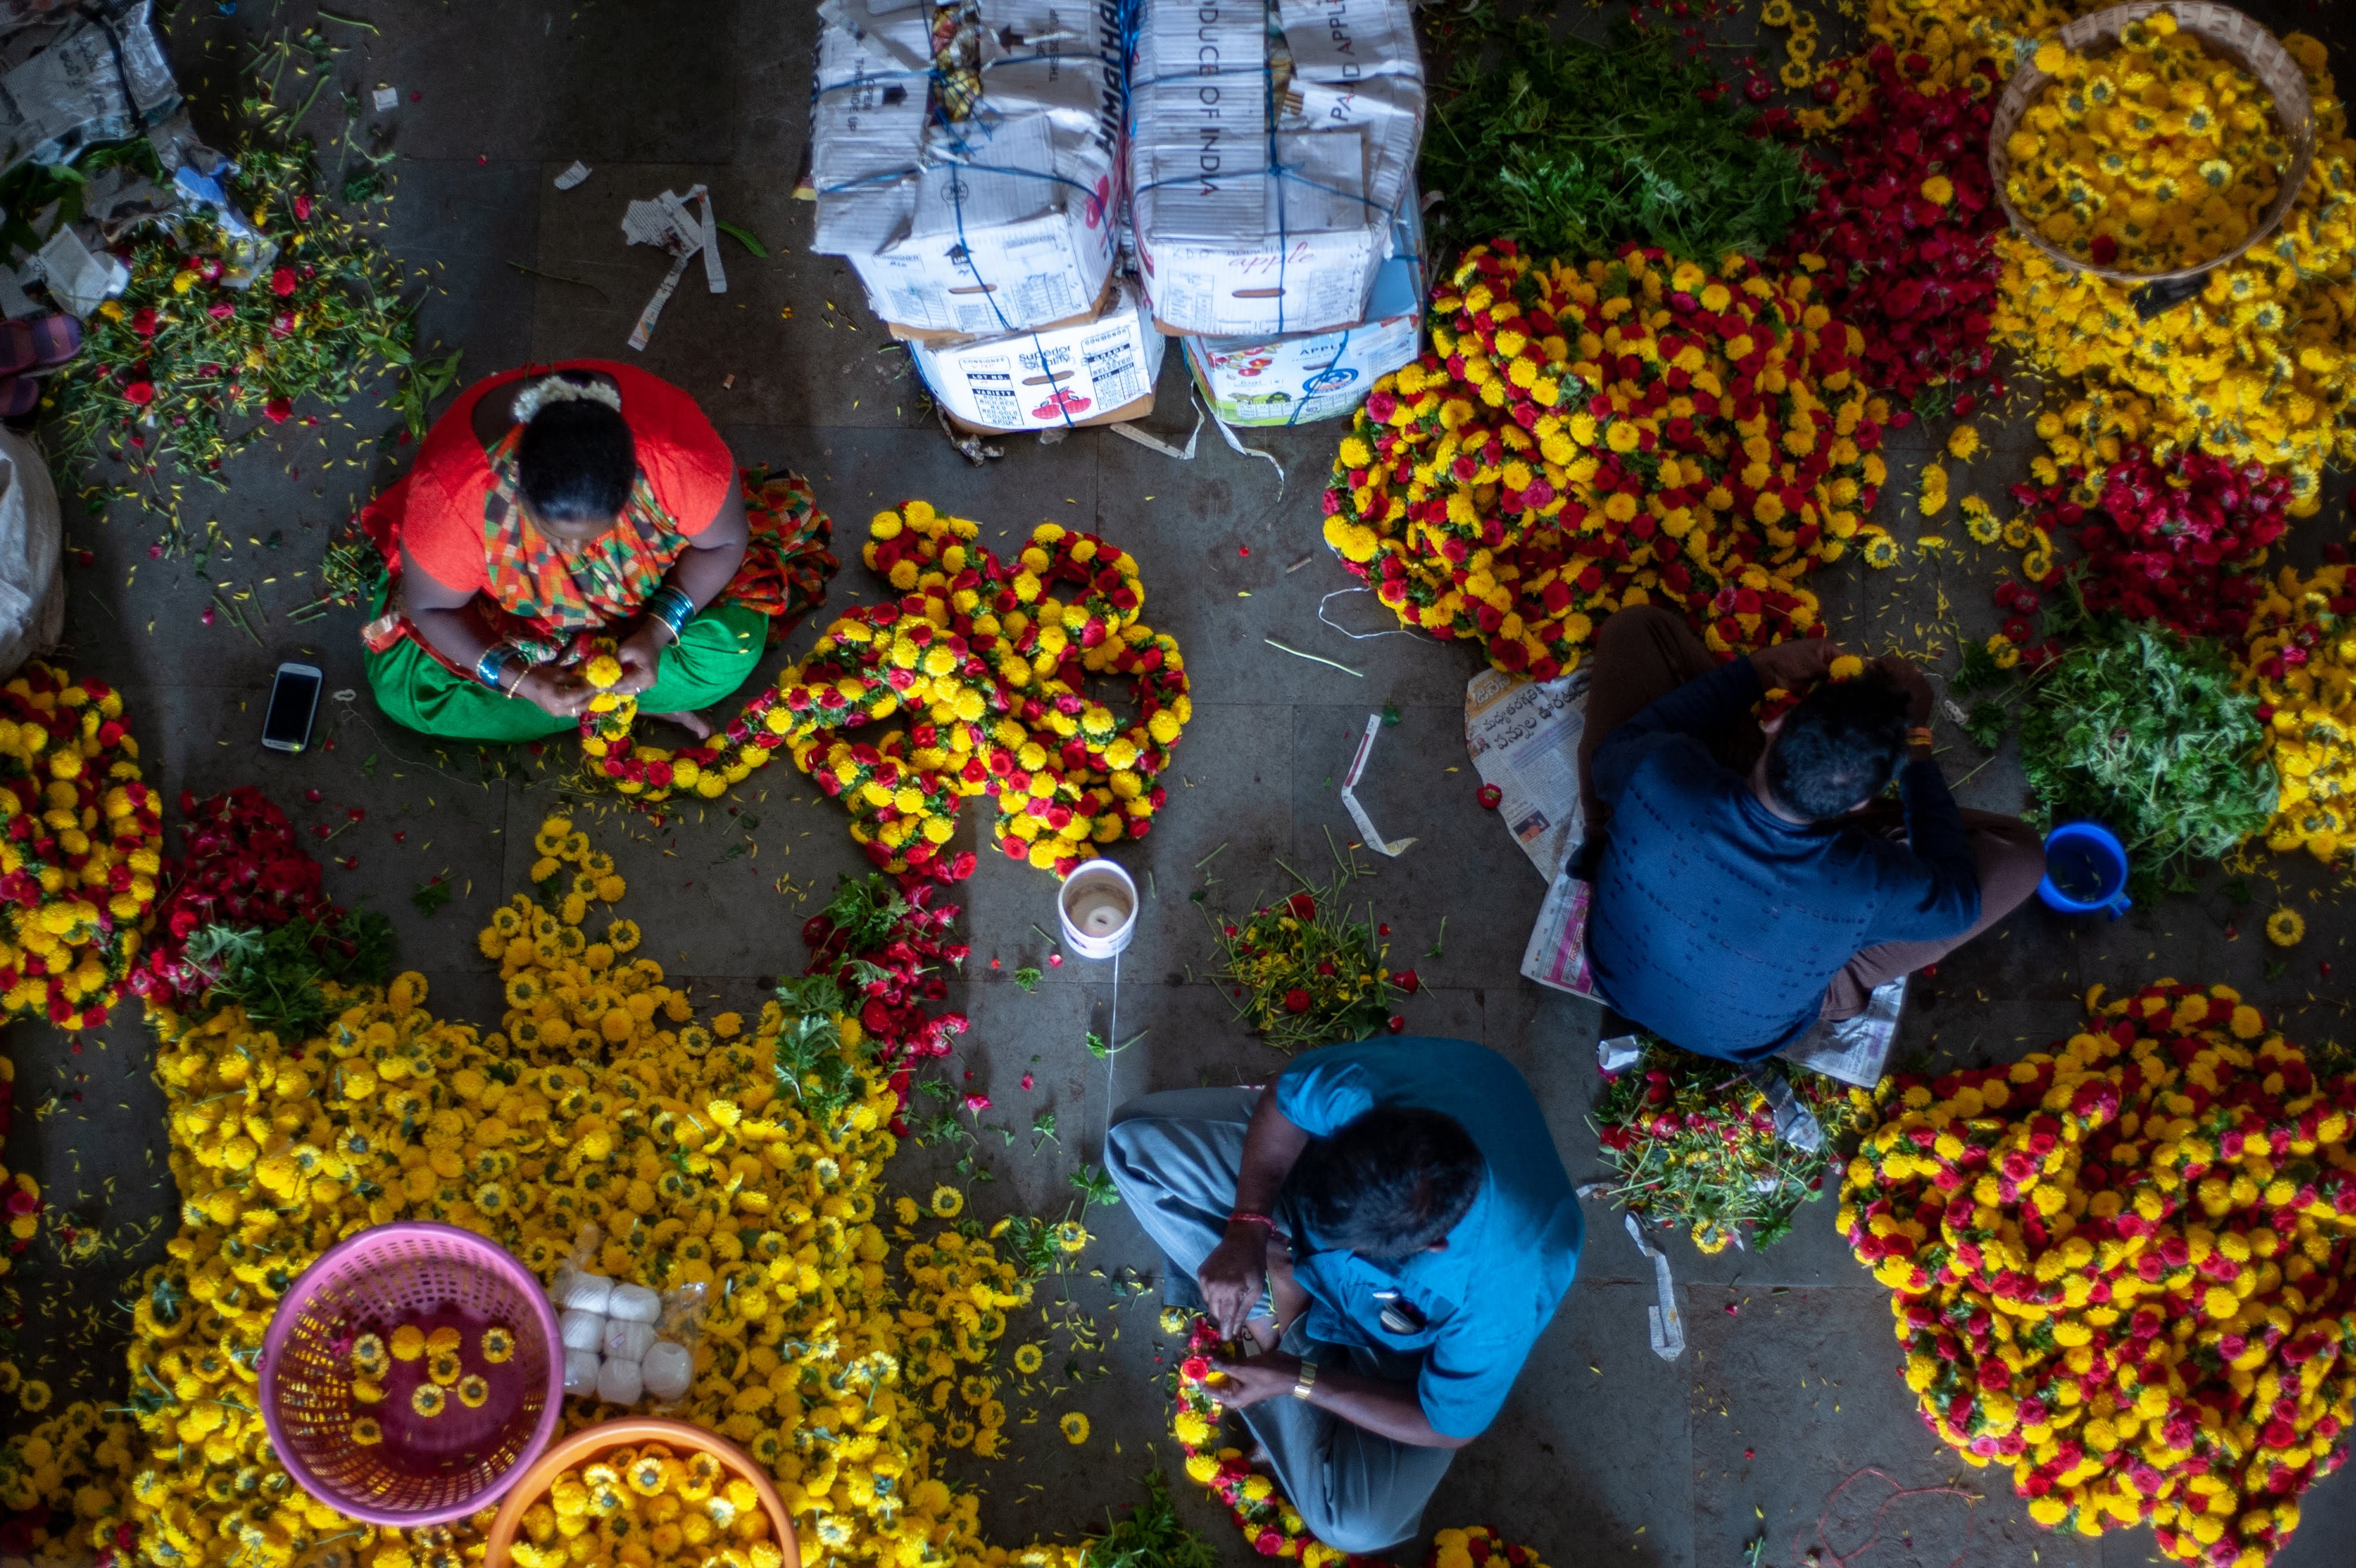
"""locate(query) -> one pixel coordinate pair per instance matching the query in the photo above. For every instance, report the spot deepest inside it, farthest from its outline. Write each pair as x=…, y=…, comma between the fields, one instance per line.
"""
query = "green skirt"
x=713, y=656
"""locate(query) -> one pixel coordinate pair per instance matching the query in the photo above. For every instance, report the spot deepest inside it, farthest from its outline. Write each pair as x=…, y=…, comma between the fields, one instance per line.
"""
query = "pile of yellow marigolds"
x=2162, y=153
x=2301, y=663
x=2254, y=367
x=2123, y=1270
x=1639, y=430
x=602, y=1098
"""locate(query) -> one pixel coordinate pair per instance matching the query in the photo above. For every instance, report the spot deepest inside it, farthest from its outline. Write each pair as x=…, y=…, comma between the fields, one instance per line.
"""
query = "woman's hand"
x=641, y=656
x=1233, y=1276
x=559, y=692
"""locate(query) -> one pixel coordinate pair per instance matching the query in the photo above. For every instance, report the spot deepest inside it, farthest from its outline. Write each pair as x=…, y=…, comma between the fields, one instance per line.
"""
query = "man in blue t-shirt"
x=1389, y=1226
x=1747, y=879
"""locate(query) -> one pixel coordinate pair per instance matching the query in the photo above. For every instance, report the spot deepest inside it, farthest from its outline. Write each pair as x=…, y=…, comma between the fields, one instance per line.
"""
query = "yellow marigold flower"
x=1074, y=1427
x=2286, y=928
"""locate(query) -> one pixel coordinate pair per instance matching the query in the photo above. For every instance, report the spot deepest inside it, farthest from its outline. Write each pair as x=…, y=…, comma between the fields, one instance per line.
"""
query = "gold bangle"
x=1306, y=1381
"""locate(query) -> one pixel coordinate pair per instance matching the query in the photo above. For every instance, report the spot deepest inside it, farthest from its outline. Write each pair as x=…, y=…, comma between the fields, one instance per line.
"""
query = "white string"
x=1112, y=1049
x=1362, y=636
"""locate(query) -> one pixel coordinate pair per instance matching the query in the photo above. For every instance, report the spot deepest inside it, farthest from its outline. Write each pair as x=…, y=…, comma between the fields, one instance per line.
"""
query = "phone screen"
x=293, y=697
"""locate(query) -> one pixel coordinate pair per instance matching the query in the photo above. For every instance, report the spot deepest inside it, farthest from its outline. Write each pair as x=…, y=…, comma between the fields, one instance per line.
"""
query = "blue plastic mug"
x=2085, y=870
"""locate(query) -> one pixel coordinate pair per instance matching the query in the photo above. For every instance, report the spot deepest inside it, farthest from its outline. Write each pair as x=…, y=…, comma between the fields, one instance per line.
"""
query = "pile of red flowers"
x=882, y=944
x=2169, y=546
x=1905, y=219
x=245, y=869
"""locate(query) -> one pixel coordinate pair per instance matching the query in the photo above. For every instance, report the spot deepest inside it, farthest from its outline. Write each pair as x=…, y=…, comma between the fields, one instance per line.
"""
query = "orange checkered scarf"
x=568, y=587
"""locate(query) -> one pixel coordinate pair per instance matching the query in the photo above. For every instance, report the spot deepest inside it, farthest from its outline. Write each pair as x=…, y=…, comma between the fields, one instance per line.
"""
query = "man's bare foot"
x=695, y=724
x=1264, y=1334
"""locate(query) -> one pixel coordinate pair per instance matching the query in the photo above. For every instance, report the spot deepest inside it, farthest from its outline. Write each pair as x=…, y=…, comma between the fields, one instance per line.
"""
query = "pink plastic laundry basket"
x=423, y=1471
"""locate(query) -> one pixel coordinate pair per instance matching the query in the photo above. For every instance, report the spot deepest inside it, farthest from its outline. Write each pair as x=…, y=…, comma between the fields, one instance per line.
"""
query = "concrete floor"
x=1606, y=1454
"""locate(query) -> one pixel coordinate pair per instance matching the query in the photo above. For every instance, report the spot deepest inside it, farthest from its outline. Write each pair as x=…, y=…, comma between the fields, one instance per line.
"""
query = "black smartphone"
x=294, y=704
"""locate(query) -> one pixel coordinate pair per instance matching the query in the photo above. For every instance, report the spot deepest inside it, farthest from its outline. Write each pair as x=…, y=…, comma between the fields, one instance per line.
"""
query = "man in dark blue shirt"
x=1747, y=879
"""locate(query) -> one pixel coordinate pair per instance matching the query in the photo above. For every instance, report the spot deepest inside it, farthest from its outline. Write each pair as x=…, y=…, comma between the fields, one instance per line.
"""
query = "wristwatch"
x=1306, y=1381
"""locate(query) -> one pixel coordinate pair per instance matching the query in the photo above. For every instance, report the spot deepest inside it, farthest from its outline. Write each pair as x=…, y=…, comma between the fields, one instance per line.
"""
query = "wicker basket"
x=633, y=1432
x=2224, y=29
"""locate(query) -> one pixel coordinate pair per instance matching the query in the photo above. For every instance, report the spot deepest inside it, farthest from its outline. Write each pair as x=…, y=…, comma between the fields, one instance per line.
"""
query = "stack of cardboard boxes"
x=978, y=161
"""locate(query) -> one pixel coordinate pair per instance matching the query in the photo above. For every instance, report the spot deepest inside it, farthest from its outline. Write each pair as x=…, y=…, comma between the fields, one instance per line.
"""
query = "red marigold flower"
x=1296, y=1001
x=282, y=282
x=140, y=393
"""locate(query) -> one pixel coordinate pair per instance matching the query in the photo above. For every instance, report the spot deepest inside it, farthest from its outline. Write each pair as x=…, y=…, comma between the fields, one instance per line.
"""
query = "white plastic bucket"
x=1098, y=906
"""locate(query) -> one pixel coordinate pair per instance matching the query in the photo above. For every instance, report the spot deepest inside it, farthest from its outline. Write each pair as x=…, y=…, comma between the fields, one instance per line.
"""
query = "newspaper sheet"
x=1523, y=737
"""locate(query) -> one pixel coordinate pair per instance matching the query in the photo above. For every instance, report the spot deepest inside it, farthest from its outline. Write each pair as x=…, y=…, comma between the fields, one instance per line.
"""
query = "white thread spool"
x=618, y=1383
x=580, y=1367
x=634, y=1304
x=582, y=1330
x=667, y=1370
x=1098, y=906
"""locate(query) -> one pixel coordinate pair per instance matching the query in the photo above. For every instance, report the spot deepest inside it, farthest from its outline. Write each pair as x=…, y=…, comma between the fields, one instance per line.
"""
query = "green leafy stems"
x=1572, y=148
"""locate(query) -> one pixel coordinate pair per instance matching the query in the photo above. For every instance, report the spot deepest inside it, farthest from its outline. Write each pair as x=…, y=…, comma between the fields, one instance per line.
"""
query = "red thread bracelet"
x=1246, y=1217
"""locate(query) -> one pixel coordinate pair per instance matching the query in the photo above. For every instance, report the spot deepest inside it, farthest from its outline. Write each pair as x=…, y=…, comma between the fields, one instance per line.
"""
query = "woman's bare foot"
x=695, y=724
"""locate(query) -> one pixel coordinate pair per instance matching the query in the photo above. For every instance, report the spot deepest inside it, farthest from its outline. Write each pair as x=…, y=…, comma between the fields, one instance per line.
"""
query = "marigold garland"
x=2123, y=1270
x=2300, y=660
x=81, y=850
x=1577, y=440
x=990, y=660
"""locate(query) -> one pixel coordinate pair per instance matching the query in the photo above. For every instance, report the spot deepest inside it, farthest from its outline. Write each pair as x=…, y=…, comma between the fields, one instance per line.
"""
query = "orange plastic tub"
x=587, y=1445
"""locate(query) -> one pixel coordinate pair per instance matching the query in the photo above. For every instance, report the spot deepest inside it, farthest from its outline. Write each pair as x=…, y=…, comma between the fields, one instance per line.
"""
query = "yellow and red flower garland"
x=81, y=847
x=2300, y=660
x=2124, y=1270
x=1576, y=440
x=990, y=660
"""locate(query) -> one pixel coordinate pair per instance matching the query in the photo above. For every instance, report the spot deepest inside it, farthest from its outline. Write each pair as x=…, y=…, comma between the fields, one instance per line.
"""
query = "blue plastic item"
x=2085, y=870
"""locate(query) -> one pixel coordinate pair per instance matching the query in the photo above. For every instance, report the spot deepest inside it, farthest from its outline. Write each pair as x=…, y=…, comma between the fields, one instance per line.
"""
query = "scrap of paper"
x=385, y=98
x=1392, y=847
x=1666, y=1325
x=573, y=176
x=666, y=224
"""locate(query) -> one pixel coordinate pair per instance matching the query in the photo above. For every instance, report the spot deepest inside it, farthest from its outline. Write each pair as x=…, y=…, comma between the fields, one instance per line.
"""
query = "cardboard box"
x=978, y=198
x=1245, y=226
x=1297, y=379
x=957, y=339
x=1092, y=373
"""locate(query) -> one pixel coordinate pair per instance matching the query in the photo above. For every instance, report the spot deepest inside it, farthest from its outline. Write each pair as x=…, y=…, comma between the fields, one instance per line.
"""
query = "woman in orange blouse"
x=552, y=507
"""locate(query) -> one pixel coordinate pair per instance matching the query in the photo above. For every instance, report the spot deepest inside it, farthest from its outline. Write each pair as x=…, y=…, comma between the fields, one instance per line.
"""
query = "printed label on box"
x=1036, y=380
